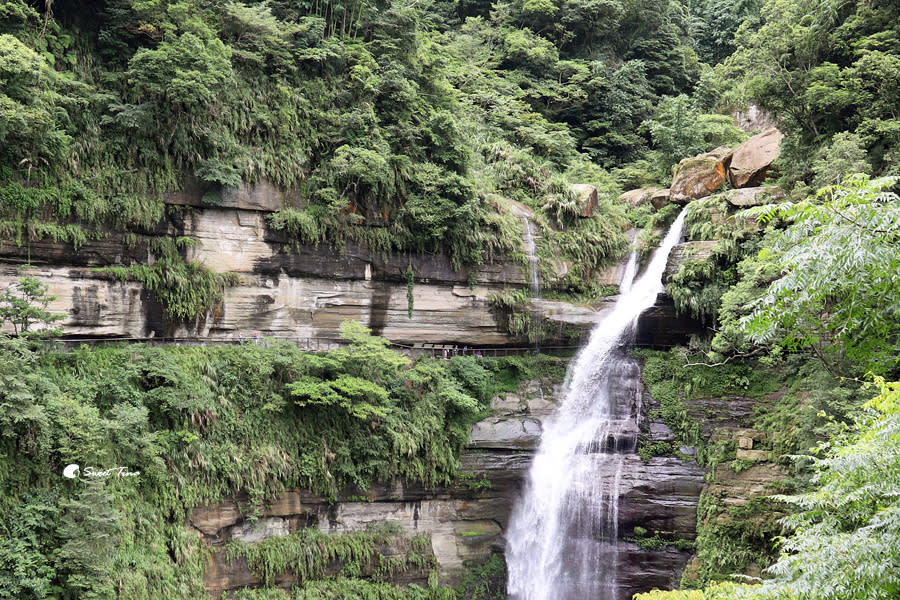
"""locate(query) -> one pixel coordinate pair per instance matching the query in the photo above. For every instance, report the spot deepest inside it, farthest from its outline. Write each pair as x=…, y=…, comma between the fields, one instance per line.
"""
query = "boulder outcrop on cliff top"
x=752, y=161
x=638, y=197
x=587, y=198
x=698, y=177
x=754, y=196
x=660, y=198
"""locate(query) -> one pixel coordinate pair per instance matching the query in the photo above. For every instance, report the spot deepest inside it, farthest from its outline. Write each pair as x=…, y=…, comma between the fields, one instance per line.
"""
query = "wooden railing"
x=315, y=344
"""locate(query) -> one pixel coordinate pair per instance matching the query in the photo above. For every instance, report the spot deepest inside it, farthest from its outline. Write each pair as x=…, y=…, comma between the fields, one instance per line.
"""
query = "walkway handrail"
x=315, y=344
x=322, y=343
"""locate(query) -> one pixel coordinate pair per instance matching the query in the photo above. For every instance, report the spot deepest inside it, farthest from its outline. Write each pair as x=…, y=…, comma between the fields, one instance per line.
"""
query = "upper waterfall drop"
x=562, y=538
x=534, y=279
x=630, y=271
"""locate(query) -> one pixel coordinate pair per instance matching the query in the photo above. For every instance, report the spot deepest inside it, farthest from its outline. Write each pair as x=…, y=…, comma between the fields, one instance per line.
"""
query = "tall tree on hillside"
x=826, y=67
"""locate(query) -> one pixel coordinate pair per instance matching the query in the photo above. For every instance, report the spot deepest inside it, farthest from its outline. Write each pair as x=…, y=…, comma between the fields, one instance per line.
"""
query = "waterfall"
x=534, y=278
x=630, y=271
x=562, y=538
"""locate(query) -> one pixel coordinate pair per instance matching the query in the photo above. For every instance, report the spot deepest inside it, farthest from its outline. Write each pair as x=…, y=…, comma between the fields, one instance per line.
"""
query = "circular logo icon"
x=71, y=471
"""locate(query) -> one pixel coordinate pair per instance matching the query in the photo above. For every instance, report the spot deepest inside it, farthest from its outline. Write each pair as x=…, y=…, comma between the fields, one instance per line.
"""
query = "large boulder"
x=660, y=198
x=638, y=197
x=697, y=177
x=754, y=196
x=723, y=153
x=752, y=161
x=587, y=198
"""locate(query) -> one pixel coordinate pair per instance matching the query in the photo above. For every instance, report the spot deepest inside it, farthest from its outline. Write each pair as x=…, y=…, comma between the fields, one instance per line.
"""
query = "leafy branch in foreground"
x=846, y=543
x=839, y=264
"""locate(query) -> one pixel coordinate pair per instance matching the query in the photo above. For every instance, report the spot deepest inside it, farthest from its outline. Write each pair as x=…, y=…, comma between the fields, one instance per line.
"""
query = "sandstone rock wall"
x=466, y=522
x=461, y=525
x=284, y=290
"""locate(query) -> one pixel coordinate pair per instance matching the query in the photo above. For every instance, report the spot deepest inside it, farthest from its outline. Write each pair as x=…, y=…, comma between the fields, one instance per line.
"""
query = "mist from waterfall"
x=562, y=537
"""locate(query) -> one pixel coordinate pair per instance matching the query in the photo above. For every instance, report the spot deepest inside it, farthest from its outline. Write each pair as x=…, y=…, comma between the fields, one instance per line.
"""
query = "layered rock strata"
x=284, y=291
x=465, y=522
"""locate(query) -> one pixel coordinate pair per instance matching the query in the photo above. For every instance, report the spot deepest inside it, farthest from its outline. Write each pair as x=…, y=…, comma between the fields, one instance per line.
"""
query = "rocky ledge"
x=466, y=522
x=284, y=290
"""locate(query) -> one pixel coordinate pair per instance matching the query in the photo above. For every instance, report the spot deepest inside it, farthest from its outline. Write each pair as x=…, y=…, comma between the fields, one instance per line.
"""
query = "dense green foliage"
x=430, y=127
x=200, y=424
x=309, y=553
x=722, y=591
x=839, y=287
x=824, y=67
x=845, y=540
x=806, y=290
x=404, y=127
x=680, y=129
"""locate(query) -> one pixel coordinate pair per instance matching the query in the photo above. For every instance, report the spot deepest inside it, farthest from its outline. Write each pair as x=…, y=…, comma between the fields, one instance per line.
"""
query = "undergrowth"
x=200, y=424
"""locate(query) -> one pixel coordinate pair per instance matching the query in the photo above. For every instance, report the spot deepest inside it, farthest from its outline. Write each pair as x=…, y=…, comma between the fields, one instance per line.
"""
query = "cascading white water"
x=629, y=273
x=562, y=538
x=534, y=279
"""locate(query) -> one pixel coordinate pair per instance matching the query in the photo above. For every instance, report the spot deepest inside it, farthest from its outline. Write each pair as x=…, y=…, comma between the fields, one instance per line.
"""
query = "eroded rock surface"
x=587, y=198
x=754, y=196
x=696, y=178
x=696, y=250
x=464, y=522
x=752, y=160
x=638, y=197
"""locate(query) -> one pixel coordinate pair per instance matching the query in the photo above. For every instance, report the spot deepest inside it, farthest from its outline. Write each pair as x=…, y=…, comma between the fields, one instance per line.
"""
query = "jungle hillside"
x=429, y=127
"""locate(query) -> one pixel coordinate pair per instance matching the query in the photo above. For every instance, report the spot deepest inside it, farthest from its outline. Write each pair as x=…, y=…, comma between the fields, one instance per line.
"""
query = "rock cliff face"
x=462, y=526
x=284, y=290
x=304, y=293
x=466, y=522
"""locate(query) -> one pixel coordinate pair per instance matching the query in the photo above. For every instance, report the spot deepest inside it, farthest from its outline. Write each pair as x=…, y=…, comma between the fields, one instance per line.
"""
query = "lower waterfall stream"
x=562, y=539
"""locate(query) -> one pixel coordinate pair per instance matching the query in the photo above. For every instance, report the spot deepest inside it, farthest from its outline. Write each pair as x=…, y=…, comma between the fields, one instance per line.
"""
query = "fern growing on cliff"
x=187, y=291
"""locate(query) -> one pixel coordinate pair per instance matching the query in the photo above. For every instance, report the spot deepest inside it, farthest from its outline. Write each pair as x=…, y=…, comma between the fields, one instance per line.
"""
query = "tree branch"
x=730, y=358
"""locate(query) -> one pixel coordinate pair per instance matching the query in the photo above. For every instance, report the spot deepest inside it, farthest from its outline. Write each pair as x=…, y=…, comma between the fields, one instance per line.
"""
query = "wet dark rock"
x=662, y=327
x=660, y=495
x=643, y=570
